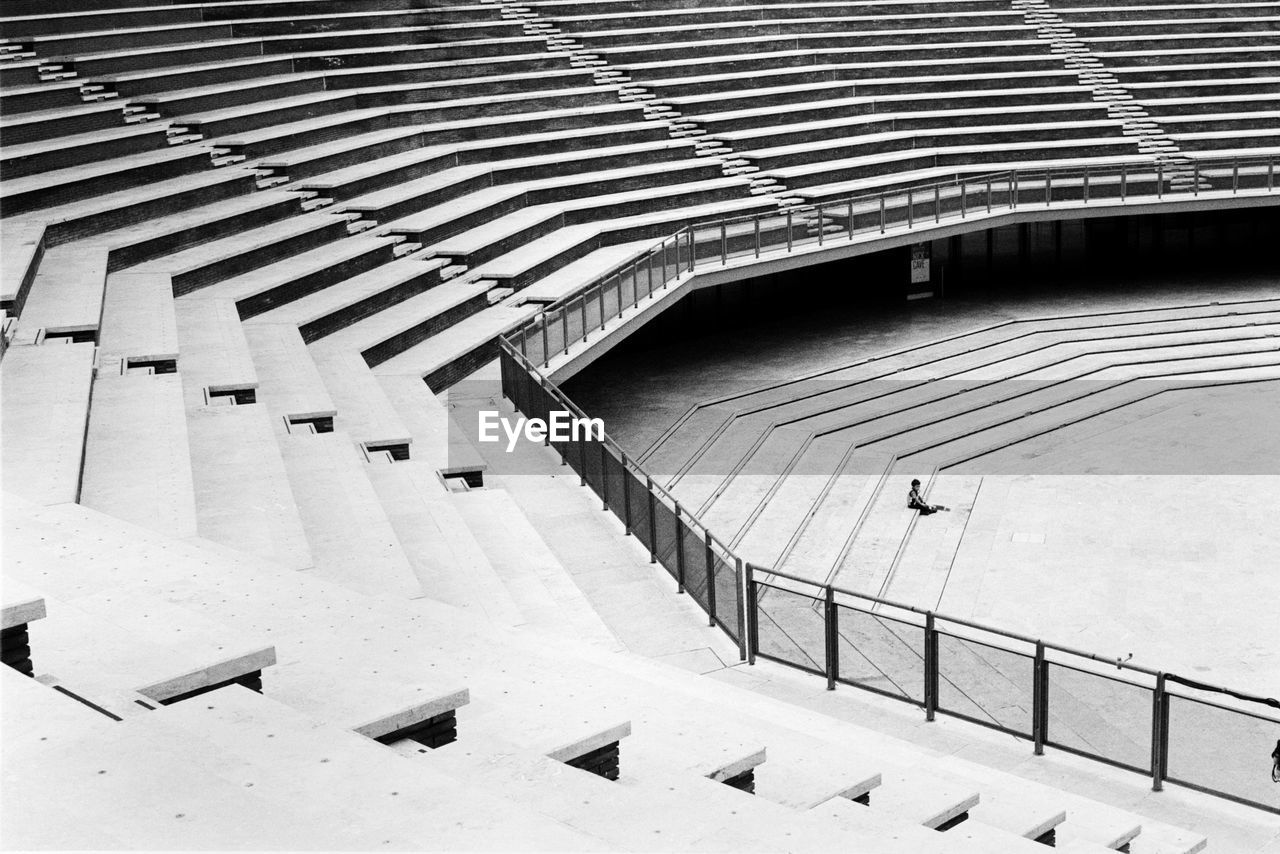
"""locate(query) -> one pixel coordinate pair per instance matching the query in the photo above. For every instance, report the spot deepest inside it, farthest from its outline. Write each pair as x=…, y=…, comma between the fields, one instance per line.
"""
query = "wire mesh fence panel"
x=593, y=465
x=985, y=684
x=1099, y=716
x=666, y=537
x=695, y=565
x=880, y=653
x=728, y=591
x=1223, y=751
x=639, y=493
x=791, y=628
x=615, y=484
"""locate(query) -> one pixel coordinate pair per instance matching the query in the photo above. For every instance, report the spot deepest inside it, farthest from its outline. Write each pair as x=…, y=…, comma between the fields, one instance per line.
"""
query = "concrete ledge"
x=215, y=674
x=20, y=605
x=580, y=746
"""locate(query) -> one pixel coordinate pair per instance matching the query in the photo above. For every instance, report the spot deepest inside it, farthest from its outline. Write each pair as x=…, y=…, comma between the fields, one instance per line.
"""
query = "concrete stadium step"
x=140, y=418
x=364, y=412
x=291, y=388
x=41, y=96
x=73, y=183
x=782, y=16
x=458, y=351
x=223, y=258
x=229, y=94
x=425, y=82
x=503, y=137
x=161, y=77
x=480, y=195
x=869, y=822
x=386, y=187
x=17, y=161
x=504, y=234
x=101, y=648
x=20, y=72
x=382, y=336
x=64, y=303
x=438, y=440
x=352, y=541
x=301, y=274
x=739, y=485
x=325, y=311
x=22, y=248
x=539, y=585
x=264, y=743
x=262, y=114
x=885, y=30
x=45, y=409
x=449, y=563
x=40, y=125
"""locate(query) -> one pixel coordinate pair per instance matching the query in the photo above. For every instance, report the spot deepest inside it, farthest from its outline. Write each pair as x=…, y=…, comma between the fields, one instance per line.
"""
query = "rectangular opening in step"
x=230, y=395
x=540, y=301
x=954, y=821
x=744, y=782
x=15, y=648
x=463, y=480
x=436, y=731
x=1049, y=837
x=603, y=761
x=304, y=424
x=252, y=681
x=68, y=335
x=386, y=452
x=149, y=365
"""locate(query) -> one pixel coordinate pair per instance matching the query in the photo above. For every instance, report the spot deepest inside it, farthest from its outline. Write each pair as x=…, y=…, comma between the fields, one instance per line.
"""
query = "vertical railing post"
x=964, y=199
x=788, y=229
x=664, y=266
x=1195, y=177
x=634, y=290
x=910, y=212
x=1124, y=180
x=1039, y=700
x=850, y=229
x=930, y=668
x=1014, y=186
x=832, y=634
x=711, y=582
x=739, y=576
x=988, y=195
x=1086, y=185
x=584, y=321
x=1159, y=733
x=724, y=243
x=937, y=203
x=1235, y=177
x=882, y=213
x=1160, y=180
x=756, y=221
x=546, y=346
x=752, y=629
x=822, y=225
x=626, y=496
x=582, y=464
x=679, y=551
x=693, y=252
x=1048, y=188
x=653, y=520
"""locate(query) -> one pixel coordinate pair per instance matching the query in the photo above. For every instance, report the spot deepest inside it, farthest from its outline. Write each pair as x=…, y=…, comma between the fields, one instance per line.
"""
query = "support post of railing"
x=649, y=278
x=711, y=583
x=1013, y=190
x=1124, y=181
x=822, y=225
x=546, y=346
x=910, y=213
x=679, y=552
x=584, y=321
x=964, y=199
x=833, y=632
x=626, y=496
x=604, y=479
x=740, y=603
x=1195, y=178
x=850, y=228
x=653, y=523
x=1159, y=733
x=1235, y=177
x=1086, y=185
x=1160, y=180
x=1048, y=188
x=751, y=629
x=882, y=213
x=930, y=668
x=788, y=229
x=724, y=244
x=693, y=254
x=1039, y=699
x=582, y=464
x=664, y=266
x=988, y=195
x=756, y=220
x=937, y=203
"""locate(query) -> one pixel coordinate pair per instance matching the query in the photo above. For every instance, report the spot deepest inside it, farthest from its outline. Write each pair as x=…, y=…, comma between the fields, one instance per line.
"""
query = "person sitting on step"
x=915, y=501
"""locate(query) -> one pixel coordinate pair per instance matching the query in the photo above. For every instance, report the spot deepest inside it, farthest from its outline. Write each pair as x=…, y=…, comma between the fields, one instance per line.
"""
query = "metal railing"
x=1102, y=708
x=890, y=212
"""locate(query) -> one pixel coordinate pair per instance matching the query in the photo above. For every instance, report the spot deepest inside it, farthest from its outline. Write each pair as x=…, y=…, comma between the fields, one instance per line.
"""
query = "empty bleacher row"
x=491, y=720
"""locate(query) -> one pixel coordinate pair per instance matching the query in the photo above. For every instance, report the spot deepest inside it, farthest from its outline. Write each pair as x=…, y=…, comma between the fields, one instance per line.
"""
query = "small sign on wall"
x=920, y=287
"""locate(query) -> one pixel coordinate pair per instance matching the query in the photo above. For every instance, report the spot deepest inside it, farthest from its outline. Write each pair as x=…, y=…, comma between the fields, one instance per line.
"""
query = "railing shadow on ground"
x=1046, y=693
